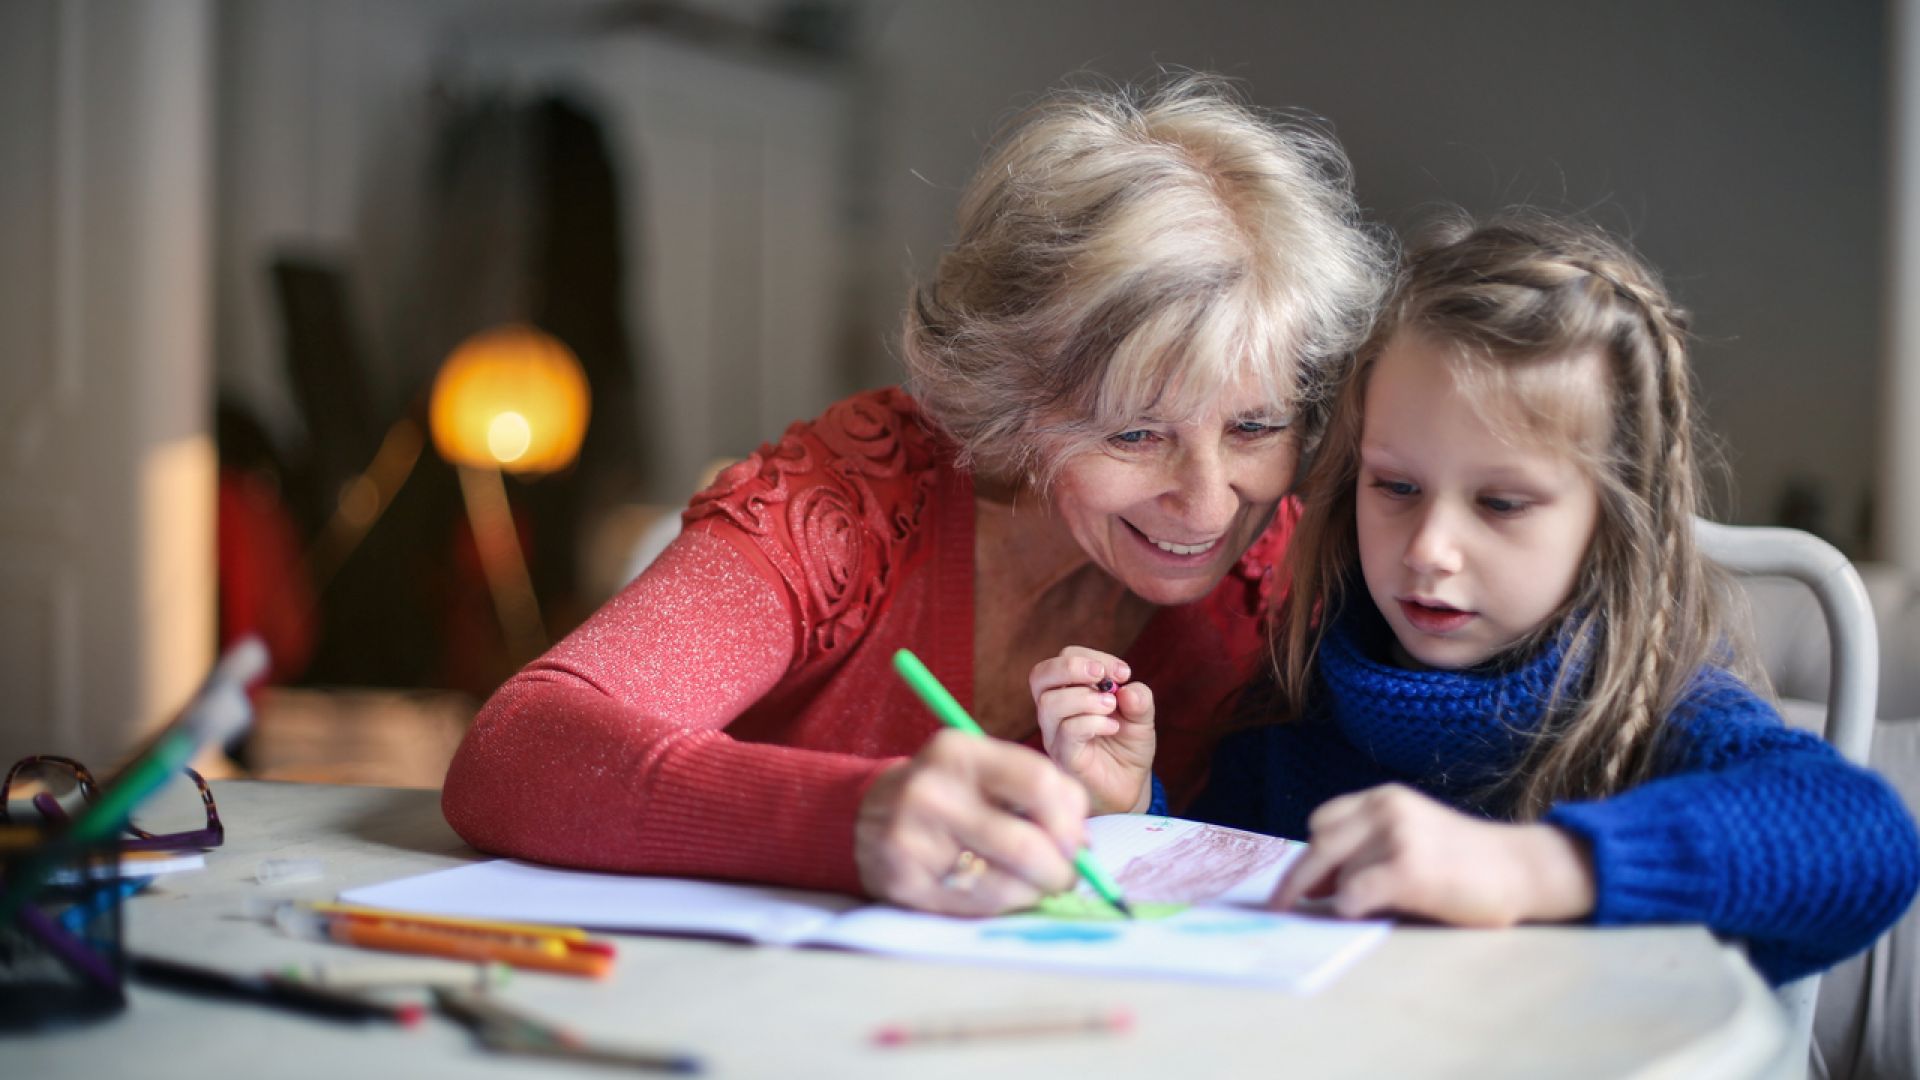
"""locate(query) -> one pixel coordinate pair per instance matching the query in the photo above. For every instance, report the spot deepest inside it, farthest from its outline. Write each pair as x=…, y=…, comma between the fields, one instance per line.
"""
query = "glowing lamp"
x=510, y=398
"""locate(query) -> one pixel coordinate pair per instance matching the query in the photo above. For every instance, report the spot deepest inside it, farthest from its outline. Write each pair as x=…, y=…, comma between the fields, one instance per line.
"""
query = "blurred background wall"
x=106, y=369
x=718, y=206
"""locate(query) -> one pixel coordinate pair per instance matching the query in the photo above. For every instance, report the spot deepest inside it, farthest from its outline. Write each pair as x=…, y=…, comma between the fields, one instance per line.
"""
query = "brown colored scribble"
x=1199, y=866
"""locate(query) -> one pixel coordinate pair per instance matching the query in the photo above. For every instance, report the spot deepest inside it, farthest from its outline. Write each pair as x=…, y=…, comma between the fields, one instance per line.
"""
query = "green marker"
x=218, y=712
x=169, y=753
x=951, y=714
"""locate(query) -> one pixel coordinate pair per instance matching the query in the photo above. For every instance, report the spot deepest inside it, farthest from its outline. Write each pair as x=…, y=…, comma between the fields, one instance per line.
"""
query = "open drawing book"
x=1224, y=874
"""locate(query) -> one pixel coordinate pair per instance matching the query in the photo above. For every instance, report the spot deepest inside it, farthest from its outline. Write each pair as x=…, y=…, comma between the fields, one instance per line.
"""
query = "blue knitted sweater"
x=1757, y=830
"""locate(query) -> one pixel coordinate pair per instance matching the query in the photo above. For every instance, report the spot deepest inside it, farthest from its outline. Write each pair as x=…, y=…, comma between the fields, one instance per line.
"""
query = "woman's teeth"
x=1183, y=549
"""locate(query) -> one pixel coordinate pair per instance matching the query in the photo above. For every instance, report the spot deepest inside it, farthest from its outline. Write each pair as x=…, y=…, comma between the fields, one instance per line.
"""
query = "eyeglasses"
x=172, y=819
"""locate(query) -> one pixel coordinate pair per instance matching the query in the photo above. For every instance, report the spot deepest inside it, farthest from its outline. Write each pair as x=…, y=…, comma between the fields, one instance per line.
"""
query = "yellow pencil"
x=357, y=911
x=466, y=945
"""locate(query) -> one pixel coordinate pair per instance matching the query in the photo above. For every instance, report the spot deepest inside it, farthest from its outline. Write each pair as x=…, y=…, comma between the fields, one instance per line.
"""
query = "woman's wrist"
x=1559, y=871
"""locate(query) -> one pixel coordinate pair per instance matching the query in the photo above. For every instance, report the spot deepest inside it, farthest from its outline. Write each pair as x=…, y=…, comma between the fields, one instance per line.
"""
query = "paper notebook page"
x=1294, y=953
x=507, y=890
x=1171, y=859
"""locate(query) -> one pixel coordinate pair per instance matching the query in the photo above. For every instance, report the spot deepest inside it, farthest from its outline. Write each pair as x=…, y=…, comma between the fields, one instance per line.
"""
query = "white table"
x=1533, y=1002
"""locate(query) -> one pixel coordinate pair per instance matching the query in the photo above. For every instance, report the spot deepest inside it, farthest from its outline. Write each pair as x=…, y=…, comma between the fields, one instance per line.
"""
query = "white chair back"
x=1852, y=689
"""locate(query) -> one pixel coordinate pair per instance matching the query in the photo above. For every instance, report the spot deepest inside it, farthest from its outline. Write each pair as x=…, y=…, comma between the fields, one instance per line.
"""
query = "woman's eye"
x=1134, y=437
x=1259, y=427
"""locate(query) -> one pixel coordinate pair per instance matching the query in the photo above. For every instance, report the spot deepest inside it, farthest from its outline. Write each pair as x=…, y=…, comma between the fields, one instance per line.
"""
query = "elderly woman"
x=1110, y=386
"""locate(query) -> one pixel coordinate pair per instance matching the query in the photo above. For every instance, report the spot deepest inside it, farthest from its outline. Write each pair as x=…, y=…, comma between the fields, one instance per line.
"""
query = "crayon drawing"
x=1053, y=934
x=1226, y=927
x=1085, y=907
x=1200, y=865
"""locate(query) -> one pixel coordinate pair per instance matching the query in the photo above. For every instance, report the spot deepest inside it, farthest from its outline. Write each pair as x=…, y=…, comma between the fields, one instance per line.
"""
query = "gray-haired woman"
x=1112, y=378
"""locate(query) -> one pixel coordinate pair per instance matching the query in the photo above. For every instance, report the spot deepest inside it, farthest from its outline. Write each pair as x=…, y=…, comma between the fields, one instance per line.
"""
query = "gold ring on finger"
x=965, y=873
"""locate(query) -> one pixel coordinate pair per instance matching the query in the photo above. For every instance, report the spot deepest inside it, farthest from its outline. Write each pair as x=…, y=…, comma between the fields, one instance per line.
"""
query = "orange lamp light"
x=511, y=398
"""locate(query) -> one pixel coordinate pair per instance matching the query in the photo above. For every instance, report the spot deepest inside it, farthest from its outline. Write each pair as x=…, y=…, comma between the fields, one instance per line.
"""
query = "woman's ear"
x=1309, y=450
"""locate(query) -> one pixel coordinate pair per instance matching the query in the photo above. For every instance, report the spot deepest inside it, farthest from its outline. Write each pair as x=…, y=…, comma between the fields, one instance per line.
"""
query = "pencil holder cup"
x=61, y=955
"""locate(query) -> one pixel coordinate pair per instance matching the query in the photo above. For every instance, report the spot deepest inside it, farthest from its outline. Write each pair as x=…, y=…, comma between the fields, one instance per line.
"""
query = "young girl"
x=1504, y=684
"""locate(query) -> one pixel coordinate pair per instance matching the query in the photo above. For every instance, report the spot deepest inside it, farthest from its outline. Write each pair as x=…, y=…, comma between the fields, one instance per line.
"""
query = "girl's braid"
x=1659, y=381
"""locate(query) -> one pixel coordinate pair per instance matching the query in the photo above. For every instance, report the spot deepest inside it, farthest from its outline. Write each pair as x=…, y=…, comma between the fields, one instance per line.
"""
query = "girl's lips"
x=1429, y=619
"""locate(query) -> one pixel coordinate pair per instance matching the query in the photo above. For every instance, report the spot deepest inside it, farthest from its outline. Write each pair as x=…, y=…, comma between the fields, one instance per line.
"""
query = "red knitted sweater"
x=724, y=714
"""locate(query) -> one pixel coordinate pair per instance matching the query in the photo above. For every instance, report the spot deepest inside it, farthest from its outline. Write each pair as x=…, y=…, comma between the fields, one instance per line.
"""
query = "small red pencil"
x=1116, y=1020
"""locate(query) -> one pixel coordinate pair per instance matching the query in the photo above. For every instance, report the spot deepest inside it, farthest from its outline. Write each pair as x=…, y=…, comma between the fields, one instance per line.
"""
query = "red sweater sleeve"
x=609, y=752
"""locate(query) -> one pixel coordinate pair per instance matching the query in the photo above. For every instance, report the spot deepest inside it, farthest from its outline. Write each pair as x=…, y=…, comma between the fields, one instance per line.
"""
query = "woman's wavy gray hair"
x=1137, y=249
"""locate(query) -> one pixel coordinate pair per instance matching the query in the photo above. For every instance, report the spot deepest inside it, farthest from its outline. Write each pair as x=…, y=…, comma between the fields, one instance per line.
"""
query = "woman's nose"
x=1203, y=491
x=1434, y=547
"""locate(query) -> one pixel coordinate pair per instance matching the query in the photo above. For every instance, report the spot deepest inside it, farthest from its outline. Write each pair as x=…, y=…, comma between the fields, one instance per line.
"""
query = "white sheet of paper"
x=1224, y=872
x=1287, y=952
x=510, y=891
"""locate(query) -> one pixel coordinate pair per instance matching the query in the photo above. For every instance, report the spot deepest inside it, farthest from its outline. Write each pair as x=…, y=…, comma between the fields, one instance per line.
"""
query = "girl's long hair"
x=1520, y=300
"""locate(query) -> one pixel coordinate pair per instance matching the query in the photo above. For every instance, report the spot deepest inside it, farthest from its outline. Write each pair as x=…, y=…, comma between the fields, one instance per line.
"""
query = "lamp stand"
x=364, y=500
x=498, y=543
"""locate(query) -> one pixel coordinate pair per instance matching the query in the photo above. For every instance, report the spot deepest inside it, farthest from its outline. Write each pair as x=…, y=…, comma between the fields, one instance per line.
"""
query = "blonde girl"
x=1503, y=680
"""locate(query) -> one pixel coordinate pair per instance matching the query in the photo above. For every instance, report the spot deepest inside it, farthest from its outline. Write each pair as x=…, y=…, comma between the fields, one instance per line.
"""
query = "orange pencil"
x=547, y=945
x=358, y=911
x=554, y=939
x=468, y=946
x=462, y=943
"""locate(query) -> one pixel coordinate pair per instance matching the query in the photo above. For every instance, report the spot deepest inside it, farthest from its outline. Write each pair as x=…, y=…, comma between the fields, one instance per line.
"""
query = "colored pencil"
x=509, y=1030
x=271, y=990
x=400, y=973
x=1005, y=1026
x=951, y=714
x=556, y=940
x=467, y=945
x=358, y=911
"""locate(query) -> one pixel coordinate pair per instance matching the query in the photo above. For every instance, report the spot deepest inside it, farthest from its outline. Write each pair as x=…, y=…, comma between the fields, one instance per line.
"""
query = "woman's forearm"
x=611, y=751
x=556, y=774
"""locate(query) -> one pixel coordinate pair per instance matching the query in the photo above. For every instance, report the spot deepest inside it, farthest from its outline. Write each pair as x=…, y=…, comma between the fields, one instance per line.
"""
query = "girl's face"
x=1167, y=508
x=1469, y=540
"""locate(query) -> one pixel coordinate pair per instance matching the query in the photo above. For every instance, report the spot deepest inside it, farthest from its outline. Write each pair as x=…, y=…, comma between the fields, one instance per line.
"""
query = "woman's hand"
x=969, y=826
x=1103, y=738
x=1392, y=850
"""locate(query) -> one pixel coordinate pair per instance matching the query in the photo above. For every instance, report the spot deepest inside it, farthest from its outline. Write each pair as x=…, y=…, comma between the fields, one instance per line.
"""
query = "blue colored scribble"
x=1228, y=926
x=1053, y=934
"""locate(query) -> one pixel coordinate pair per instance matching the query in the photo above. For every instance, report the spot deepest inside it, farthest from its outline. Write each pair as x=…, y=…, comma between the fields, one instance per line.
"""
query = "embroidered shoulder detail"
x=831, y=506
x=1262, y=568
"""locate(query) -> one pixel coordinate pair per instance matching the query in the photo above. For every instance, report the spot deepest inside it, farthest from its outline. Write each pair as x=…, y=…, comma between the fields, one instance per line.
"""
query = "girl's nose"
x=1434, y=547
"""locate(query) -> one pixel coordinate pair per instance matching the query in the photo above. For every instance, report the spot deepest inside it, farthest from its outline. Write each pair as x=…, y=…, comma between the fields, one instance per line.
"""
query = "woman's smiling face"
x=1166, y=508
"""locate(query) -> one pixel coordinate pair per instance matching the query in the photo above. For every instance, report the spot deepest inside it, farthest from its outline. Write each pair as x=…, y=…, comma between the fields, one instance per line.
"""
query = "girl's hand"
x=969, y=826
x=1392, y=850
x=1103, y=738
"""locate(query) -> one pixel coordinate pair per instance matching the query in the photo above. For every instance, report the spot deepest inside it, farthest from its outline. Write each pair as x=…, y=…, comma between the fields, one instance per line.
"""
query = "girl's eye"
x=1504, y=507
x=1396, y=489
